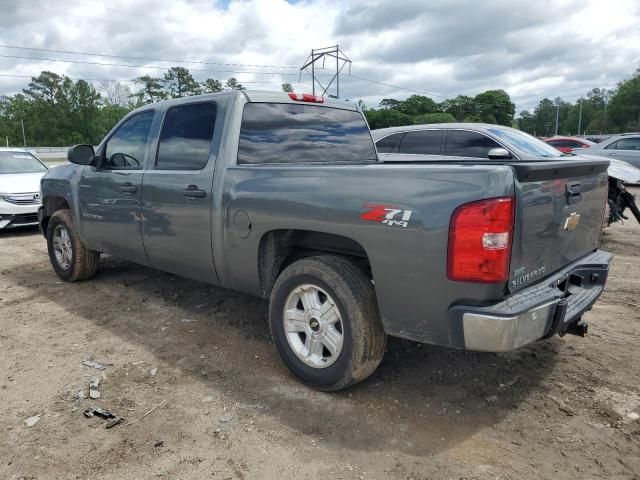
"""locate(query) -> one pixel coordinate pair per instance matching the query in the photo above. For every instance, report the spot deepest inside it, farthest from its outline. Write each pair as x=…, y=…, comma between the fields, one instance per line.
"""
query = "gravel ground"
x=228, y=409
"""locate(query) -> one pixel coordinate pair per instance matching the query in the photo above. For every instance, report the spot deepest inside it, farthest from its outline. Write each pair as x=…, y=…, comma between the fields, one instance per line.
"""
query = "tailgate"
x=560, y=209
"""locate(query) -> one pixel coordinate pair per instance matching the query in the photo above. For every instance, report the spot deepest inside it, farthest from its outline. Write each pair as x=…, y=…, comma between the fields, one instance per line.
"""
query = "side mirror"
x=81, y=154
x=498, y=154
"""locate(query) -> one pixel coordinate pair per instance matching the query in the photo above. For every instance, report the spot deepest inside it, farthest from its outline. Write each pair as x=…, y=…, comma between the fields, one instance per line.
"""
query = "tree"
x=232, y=84
x=437, y=117
x=475, y=118
x=44, y=87
x=390, y=103
x=460, y=107
x=386, y=117
x=151, y=89
x=287, y=87
x=624, y=107
x=211, y=86
x=526, y=122
x=116, y=93
x=418, y=105
x=495, y=106
x=178, y=82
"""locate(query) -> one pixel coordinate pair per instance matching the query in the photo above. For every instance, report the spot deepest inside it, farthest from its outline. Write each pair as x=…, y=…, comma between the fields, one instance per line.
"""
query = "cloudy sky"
x=437, y=47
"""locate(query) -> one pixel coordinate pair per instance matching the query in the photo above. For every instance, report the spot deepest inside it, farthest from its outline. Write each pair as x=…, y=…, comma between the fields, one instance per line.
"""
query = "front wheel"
x=70, y=259
x=324, y=321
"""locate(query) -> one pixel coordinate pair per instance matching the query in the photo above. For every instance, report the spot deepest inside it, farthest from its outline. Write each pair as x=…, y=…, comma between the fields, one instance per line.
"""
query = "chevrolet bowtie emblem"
x=572, y=221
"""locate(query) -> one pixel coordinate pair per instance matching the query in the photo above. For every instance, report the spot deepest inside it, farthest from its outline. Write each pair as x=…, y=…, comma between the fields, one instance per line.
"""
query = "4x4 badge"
x=387, y=214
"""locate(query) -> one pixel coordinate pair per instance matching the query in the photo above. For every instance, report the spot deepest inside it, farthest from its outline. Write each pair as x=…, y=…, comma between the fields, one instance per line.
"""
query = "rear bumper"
x=542, y=310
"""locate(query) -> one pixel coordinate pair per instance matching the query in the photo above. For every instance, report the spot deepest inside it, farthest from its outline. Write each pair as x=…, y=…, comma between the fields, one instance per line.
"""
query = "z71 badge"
x=387, y=214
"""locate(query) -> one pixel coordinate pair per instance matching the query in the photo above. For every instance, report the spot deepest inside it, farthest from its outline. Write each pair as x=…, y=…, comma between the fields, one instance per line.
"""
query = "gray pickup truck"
x=284, y=197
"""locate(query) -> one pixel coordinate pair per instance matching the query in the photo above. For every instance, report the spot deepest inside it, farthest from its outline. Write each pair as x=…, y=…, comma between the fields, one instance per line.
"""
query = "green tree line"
x=492, y=106
x=58, y=111
x=599, y=111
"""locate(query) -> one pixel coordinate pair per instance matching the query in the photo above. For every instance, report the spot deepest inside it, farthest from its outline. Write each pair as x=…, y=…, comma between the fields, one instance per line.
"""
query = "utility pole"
x=557, y=113
x=24, y=139
x=580, y=117
x=322, y=53
x=7, y=141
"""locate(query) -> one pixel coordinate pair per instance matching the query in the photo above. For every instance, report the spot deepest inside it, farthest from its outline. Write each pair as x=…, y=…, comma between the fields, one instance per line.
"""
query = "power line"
x=396, y=86
x=107, y=55
x=273, y=82
x=85, y=62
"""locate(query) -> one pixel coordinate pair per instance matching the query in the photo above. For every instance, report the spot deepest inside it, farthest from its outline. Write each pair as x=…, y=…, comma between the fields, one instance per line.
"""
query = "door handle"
x=128, y=188
x=192, y=191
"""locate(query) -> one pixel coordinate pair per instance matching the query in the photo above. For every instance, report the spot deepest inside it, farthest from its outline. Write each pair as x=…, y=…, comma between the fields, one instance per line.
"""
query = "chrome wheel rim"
x=62, y=247
x=313, y=326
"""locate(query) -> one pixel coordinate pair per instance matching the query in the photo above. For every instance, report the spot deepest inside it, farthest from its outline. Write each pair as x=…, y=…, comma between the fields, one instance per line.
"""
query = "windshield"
x=526, y=143
x=20, y=162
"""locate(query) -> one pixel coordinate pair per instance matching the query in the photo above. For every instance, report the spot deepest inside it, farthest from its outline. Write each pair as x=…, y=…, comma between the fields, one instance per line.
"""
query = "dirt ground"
x=228, y=408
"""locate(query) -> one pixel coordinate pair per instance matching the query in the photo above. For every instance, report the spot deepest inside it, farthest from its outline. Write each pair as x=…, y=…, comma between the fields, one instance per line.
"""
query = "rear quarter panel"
x=408, y=264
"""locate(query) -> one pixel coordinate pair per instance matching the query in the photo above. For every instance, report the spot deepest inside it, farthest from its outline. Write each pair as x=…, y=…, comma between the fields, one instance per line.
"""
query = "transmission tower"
x=318, y=54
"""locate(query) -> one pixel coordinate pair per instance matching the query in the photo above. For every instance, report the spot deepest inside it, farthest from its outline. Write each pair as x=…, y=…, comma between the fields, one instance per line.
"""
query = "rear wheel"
x=70, y=259
x=324, y=321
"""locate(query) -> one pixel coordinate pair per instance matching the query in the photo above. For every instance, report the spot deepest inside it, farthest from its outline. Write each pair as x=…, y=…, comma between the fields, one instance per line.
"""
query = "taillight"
x=306, y=97
x=480, y=237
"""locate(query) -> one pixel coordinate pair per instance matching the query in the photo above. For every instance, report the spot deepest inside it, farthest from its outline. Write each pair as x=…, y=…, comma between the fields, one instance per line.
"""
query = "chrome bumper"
x=550, y=307
x=501, y=334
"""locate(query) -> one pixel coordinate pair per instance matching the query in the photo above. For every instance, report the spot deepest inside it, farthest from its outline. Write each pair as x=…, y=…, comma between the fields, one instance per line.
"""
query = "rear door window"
x=292, y=133
x=462, y=143
x=425, y=142
x=625, y=144
x=186, y=137
x=389, y=144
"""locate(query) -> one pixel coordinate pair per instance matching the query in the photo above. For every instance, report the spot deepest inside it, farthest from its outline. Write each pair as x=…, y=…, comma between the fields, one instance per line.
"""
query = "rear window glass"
x=291, y=133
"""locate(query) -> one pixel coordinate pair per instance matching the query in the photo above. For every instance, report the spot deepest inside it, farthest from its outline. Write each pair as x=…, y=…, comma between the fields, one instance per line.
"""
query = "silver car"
x=20, y=174
x=621, y=147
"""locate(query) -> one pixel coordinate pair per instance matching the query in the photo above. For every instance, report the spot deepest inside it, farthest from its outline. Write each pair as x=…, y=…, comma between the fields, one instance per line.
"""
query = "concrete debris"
x=95, y=365
x=80, y=395
x=188, y=320
x=491, y=399
x=227, y=417
x=153, y=371
x=207, y=399
x=94, y=393
x=631, y=417
x=31, y=421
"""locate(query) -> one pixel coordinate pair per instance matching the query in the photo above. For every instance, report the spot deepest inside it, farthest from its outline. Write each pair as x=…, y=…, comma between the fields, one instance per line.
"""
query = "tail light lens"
x=480, y=238
x=306, y=97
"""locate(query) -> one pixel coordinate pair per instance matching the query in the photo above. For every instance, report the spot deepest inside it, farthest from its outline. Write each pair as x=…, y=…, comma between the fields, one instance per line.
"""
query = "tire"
x=307, y=296
x=77, y=262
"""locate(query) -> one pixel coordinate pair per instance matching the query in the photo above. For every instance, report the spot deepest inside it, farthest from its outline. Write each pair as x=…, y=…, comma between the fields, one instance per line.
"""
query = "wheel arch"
x=279, y=248
x=50, y=205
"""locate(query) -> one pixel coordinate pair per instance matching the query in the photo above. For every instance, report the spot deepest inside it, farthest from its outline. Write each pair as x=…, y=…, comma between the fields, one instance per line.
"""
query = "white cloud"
x=531, y=50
